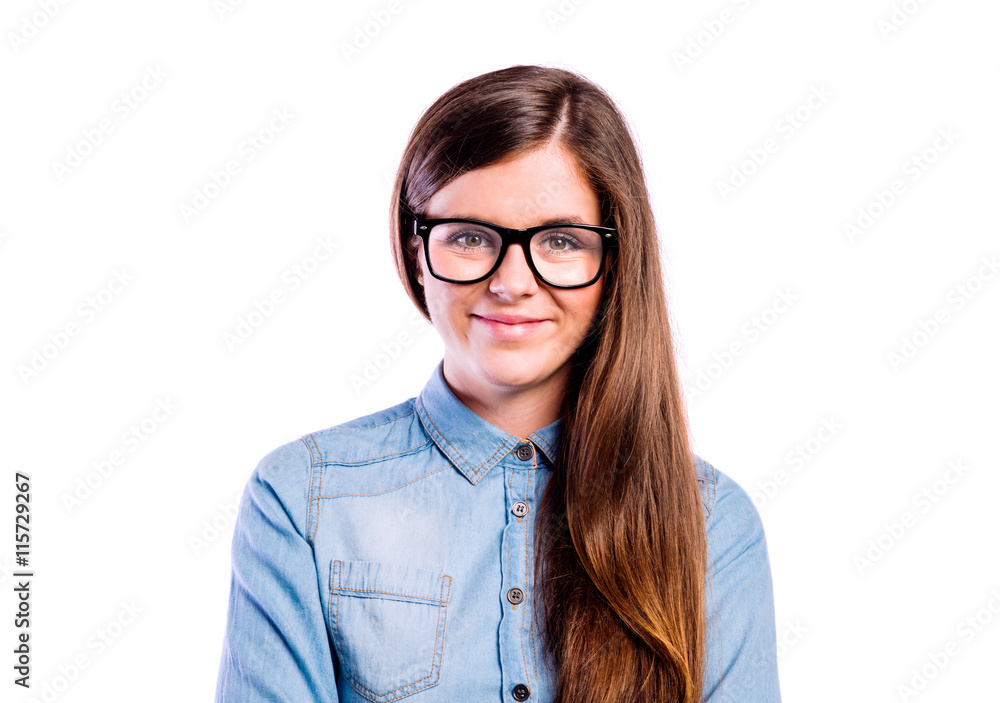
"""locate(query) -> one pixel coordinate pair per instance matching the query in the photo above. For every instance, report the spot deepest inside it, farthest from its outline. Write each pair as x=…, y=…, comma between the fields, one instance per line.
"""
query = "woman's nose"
x=514, y=275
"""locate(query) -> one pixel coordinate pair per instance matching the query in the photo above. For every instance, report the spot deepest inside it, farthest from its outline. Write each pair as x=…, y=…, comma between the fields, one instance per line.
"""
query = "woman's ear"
x=415, y=244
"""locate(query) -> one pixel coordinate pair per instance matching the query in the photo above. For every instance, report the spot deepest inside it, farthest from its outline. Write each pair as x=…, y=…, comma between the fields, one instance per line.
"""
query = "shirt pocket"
x=388, y=624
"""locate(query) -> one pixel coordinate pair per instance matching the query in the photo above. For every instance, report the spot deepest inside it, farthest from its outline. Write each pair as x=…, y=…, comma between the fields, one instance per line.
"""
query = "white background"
x=849, y=631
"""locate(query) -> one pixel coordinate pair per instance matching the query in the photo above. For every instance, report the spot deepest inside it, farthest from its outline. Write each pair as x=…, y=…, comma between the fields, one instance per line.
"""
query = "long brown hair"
x=621, y=553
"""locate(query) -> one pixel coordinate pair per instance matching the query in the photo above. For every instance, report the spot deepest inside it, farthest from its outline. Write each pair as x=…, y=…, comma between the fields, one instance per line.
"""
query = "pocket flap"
x=373, y=579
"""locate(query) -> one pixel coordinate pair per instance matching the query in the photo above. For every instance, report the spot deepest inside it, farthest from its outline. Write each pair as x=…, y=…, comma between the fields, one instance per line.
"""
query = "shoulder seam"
x=372, y=459
x=314, y=487
x=348, y=426
x=710, y=488
x=385, y=422
x=713, y=494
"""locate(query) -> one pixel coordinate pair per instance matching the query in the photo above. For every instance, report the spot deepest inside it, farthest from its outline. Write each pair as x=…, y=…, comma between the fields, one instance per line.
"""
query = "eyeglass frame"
x=422, y=228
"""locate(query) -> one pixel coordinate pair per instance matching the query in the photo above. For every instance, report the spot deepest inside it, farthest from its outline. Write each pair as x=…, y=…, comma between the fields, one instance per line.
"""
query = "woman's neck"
x=519, y=411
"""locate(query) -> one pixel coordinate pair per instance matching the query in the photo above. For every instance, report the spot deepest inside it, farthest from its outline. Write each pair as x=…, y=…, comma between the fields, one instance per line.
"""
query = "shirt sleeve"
x=741, y=664
x=276, y=646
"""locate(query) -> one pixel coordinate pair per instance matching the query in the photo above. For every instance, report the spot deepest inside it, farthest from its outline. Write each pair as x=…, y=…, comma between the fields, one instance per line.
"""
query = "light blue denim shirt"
x=391, y=557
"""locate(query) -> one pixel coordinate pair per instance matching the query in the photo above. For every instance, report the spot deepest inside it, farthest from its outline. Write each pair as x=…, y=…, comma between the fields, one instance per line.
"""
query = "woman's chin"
x=516, y=370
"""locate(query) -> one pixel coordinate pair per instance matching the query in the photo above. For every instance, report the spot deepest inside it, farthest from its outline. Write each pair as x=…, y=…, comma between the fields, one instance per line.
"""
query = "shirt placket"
x=517, y=632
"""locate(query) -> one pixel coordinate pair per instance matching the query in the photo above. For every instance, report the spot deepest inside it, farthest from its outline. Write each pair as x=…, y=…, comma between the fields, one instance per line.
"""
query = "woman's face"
x=486, y=356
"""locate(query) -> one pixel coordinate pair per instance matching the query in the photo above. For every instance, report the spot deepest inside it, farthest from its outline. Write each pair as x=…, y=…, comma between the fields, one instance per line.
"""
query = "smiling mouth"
x=509, y=330
x=505, y=320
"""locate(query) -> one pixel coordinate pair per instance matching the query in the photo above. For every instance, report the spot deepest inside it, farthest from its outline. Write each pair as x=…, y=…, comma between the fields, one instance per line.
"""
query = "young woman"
x=534, y=525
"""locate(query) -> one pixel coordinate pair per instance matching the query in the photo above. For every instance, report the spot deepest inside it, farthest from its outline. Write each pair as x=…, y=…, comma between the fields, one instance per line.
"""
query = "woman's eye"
x=472, y=240
x=559, y=243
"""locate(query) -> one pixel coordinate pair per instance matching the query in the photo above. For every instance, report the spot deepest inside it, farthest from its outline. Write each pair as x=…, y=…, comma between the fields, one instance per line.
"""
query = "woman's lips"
x=509, y=331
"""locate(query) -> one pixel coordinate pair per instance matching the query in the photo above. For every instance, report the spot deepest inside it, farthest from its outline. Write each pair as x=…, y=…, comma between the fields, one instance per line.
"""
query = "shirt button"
x=520, y=508
x=515, y=595
x=521, y=692
x=525, y=452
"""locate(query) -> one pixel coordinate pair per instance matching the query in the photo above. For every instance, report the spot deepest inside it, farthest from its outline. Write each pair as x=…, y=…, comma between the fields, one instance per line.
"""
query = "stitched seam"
x=700, y=469
x=319, y=488
x=390, y=593
x=330, y=617
x=704, y=501
x=362, y=461
x=379, y=424
x=531, y=623
x=348, y=426
x=329, y=604
x=312, y=476
x=524, y=656
x=424, y=414
x=548, y=447
x=387, y=490
x=712, y=494
x=336, y=627
x=502, y=446
x=475, y=471
x=434, y=654
x=503, y=613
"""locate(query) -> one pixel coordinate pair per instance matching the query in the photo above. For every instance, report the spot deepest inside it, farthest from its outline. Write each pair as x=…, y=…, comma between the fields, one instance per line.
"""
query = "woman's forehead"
x=541, y=186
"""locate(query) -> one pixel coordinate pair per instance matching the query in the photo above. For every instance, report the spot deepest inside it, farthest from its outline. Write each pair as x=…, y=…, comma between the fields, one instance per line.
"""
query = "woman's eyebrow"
x=568, y=220
x=558, y=220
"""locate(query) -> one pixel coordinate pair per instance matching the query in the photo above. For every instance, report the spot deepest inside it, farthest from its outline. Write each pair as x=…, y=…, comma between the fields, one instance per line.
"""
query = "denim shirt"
x=391, y=557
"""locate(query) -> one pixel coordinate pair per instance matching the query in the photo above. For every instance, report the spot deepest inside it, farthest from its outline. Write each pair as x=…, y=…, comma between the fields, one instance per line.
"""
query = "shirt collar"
x=472, y=444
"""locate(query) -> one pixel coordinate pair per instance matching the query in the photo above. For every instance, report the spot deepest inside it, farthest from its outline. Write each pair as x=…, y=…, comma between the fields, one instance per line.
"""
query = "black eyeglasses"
x=470, y=251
